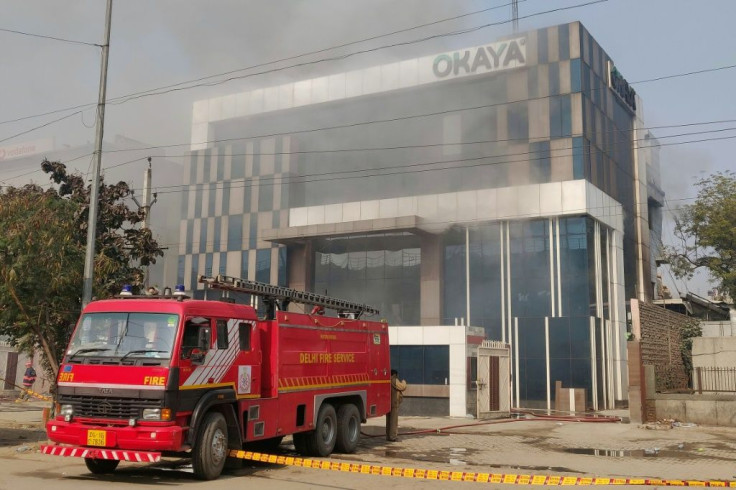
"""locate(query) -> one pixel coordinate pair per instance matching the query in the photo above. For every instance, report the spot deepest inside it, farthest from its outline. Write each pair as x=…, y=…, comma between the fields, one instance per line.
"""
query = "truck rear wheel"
x=321, y=441
x=101, y=466
x=348, y=428
x=210, y=448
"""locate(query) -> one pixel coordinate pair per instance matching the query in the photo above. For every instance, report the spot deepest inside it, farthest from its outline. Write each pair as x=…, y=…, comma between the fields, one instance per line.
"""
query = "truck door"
x=196, y=351
x=249, y=371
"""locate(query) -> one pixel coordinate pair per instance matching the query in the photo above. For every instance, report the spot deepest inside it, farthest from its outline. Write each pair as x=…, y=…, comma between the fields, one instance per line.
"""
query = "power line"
x=40, y=126
x=124, y=99
x=280, y=180
x=177, y=86
x=606, y=150
x=11, y=31
x=323, y=50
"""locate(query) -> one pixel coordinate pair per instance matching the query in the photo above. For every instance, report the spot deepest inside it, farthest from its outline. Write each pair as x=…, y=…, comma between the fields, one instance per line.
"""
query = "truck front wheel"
x=321, y=441
x=348, y=428
x=101, y=466
x=210, y=448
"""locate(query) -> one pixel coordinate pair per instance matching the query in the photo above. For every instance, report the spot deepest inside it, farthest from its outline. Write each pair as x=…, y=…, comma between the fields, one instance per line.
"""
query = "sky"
x=160, y=43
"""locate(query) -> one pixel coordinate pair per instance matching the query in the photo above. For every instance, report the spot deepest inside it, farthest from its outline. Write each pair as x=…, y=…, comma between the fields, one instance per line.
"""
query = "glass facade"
x=548, y=280
x=378, y=270
x=552, y=278
x=422, y=364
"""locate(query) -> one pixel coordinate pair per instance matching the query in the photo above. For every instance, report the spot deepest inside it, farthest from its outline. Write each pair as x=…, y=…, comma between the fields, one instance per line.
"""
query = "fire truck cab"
x=149, y=377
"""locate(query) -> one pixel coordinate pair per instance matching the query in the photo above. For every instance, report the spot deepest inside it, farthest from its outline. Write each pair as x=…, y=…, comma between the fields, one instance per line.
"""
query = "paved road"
x=530, y=447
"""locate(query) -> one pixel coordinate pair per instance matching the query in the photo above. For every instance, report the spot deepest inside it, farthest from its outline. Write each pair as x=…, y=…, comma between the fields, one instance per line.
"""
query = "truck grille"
x=108, y=408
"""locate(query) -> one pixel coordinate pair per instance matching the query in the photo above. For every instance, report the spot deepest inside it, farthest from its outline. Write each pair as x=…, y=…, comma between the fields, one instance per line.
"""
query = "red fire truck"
x=146, y=377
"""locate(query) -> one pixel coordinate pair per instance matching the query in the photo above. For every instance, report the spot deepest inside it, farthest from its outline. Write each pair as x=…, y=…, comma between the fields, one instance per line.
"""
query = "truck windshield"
x=124, y=335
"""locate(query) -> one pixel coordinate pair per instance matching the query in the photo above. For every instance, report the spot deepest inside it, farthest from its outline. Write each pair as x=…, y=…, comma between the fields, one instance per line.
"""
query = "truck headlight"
x=151, y=414
x=156, y=414
x=67, y=411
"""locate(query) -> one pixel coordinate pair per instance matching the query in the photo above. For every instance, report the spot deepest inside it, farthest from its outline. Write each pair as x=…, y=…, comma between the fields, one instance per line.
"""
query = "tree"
x=43, y=236
x=707, y=233
x=40, y=271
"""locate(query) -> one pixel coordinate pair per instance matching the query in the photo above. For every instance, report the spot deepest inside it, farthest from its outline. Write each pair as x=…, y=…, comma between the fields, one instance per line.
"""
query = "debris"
x=683, y=424
x=23, y=449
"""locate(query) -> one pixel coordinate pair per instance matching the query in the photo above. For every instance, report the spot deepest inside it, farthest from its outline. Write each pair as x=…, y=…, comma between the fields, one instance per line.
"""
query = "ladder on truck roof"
x=279, y=296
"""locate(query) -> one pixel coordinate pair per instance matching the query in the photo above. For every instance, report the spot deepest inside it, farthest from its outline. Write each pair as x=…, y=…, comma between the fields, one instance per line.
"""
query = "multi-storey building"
x=510, y=186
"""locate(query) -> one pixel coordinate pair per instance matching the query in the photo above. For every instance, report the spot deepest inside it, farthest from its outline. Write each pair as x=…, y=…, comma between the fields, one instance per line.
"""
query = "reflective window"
x=530, y=282
x=124, y=335
x=265, y=195
x=578, y=170
x=235, y=233
x=575, y=75
x=190, y=235
x=225, y=198
x=379, y=270
x=211, y=195
x=263, y=265
x=282, y=267
x=563, y=39
x=223, y=342
x=208, y=264
x=218, y=233
x=422, y=364
x=237, y=166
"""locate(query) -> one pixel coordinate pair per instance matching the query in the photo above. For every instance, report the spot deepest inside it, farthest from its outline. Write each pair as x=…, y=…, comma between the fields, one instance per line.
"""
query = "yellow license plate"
x=96, y=438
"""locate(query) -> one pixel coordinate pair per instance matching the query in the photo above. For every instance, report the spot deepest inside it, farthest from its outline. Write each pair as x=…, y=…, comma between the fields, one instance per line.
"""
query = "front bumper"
x=117, y=437
x=86, y=452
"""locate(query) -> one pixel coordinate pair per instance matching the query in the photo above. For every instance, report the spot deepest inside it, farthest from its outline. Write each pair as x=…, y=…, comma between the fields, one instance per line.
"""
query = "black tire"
x=300, y=442
x=348, y=428
x=321, y=441
x=101, y=466
x=210, y=448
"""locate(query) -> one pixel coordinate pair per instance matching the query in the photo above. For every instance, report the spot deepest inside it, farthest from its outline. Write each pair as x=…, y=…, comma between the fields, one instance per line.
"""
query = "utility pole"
x=146, y=206
x=515, y=15
x=89, y=260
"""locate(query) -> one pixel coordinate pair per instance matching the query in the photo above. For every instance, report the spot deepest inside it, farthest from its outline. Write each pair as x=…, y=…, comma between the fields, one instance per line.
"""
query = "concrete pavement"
x=526, y=446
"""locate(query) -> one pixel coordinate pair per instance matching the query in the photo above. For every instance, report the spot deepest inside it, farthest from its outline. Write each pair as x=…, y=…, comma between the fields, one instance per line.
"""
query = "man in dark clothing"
x=397, y=395
x=29, y=377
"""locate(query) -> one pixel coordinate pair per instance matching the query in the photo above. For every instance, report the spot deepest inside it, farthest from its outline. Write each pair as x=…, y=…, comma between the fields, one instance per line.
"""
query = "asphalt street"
x=530, y=447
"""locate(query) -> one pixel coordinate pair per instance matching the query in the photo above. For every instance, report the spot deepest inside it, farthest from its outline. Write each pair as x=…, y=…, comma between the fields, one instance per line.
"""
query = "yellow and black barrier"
x=36, y=395
x=30, y=392
x=466, y=476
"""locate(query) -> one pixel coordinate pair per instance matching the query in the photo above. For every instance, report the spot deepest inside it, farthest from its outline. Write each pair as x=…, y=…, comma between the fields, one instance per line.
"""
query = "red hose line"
x=538, y=418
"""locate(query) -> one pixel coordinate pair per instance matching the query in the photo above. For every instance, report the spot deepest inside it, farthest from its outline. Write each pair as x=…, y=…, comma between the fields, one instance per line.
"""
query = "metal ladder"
x=278, y=296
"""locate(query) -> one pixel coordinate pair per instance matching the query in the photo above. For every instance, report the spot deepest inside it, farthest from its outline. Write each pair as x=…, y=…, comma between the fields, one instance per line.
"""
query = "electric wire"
x=281, y=180
x=406, y=168
x=323, y=50
x=177, y=87
x=289, y=58
x=12, y=31
x=40, y=126
x=122, y=100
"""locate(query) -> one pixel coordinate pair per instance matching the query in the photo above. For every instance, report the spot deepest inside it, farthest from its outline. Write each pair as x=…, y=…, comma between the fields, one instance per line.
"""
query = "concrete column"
x=431, y=280
x=637, y=383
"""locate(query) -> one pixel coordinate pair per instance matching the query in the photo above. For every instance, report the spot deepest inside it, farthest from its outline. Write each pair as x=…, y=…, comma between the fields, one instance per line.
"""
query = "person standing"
x=29, y=377
x=397, y=396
